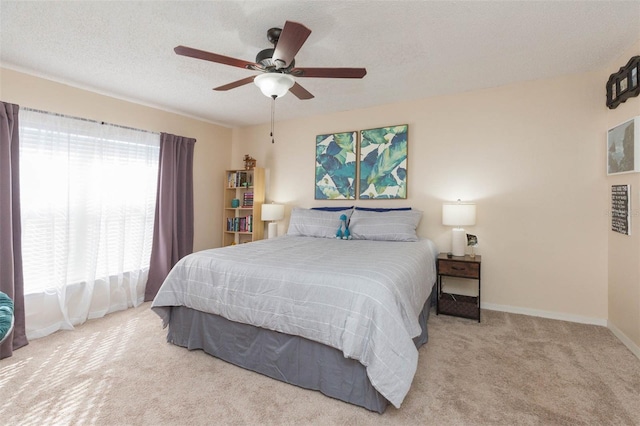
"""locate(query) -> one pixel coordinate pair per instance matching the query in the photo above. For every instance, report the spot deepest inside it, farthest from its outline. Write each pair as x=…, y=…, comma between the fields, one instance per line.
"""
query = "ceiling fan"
x=276, y=64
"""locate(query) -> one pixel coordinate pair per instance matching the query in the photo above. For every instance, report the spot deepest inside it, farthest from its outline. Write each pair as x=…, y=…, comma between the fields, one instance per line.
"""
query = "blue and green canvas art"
x=383, y=163
x=336, y=166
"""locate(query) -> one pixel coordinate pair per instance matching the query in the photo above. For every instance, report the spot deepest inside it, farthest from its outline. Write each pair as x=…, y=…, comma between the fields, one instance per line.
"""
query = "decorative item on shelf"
x=235, y=203
x=272, y=213
x=249, y=162
x=624, y=84
x=472, y=241
x=458, y=215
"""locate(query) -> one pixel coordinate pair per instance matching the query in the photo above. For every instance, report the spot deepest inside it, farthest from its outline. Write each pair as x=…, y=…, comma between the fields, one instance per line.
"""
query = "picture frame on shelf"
x=623, y=147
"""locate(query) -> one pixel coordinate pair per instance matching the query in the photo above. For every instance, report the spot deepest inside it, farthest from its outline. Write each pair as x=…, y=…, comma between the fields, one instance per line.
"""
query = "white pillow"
x=315, y=223
x=395, y=225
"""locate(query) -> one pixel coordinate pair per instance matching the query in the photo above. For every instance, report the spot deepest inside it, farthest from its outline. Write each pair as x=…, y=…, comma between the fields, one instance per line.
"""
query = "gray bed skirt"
x=291, y=359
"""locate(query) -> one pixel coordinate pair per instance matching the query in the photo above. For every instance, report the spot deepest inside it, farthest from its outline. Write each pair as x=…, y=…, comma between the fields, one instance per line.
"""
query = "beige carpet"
x=511, y=369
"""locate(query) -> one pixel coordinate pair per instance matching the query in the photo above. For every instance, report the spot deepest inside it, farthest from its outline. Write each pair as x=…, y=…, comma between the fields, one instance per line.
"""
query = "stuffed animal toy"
x=343, y=235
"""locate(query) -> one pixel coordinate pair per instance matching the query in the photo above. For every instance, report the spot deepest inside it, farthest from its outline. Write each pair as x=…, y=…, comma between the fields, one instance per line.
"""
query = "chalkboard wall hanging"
x=623, y=147
x=624, y=84
x=620, y=219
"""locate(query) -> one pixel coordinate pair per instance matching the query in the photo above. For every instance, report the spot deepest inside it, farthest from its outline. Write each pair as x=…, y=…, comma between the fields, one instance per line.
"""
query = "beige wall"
x=212, y=150
x=531, y=156
x=624, y=250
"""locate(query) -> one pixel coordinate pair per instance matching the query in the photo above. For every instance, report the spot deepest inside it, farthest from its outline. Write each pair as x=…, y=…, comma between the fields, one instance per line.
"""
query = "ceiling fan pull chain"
x=273, y=114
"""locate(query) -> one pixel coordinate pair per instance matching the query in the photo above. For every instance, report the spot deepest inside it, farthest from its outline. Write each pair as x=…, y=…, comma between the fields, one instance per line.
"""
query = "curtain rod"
x=88, y=120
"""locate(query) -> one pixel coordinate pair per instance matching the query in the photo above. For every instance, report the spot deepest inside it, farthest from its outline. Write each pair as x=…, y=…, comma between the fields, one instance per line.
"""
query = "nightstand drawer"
x=459, y=269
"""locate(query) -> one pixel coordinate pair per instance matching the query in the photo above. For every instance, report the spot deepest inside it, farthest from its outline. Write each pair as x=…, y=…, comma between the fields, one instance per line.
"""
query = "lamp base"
x=272, y=230
x=458, y=241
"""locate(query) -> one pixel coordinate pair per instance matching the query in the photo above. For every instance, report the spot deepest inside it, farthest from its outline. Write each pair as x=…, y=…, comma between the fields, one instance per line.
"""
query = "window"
x=88, y=195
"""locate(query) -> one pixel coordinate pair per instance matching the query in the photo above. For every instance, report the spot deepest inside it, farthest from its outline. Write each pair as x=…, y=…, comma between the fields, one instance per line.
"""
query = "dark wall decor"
x=620, y=209
x=624, y=84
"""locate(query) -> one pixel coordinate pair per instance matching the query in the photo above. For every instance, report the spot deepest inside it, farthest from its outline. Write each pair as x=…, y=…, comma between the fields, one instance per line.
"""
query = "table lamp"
x=272, y=213
x=458, y=215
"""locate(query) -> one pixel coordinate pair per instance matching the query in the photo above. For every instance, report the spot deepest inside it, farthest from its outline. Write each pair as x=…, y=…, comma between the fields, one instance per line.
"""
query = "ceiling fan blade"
x=213, y=57
x=329, y=72
x=291, y=40
x=300, y=92
x=235, y=84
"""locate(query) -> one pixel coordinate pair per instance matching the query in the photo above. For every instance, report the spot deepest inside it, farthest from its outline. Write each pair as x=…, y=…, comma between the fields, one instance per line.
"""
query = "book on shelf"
x=240, y=224
x=247, y=199
x=239, y=179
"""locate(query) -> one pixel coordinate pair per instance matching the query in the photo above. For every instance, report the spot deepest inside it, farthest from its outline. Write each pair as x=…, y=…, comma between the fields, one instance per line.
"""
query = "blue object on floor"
x=6, y=316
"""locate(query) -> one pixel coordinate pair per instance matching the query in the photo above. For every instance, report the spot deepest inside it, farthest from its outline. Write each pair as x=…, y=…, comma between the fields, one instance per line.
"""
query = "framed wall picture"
x=620, y=208
x=623, y=84
x=336, y=166
x=383, y=163
x=623, y=152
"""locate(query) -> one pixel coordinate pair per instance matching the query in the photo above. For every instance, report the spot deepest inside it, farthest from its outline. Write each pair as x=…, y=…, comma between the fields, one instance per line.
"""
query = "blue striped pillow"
x=395, y=225
x=315, y=223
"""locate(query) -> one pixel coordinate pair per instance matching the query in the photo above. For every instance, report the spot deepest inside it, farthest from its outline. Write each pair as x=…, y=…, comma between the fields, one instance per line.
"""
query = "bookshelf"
x=242, y=224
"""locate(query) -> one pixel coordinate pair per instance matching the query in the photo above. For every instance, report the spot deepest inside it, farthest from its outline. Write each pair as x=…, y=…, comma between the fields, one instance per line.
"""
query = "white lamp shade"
x=458, y=214
x=274, y=84
x=272, y=212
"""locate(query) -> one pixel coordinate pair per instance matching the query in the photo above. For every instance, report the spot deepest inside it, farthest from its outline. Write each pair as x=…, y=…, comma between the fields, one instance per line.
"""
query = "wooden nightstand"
x=456, y=304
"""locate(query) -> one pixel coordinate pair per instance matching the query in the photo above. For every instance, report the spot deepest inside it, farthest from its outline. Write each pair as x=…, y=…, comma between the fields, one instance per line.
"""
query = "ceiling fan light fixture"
x=274, y=85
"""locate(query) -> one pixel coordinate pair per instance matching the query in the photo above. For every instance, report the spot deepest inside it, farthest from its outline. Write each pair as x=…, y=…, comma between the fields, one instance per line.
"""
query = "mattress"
x=360, y=297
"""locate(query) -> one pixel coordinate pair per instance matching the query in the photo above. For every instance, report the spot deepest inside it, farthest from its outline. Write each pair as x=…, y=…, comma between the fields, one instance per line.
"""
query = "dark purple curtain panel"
x=11, y=280
x=173, y=225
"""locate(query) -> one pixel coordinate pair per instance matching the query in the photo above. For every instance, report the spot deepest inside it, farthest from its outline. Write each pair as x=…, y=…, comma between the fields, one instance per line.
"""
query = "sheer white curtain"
x=88, y=193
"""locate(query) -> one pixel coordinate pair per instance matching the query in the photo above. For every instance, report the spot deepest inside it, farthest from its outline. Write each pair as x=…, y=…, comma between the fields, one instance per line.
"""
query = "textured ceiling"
x=411, y=49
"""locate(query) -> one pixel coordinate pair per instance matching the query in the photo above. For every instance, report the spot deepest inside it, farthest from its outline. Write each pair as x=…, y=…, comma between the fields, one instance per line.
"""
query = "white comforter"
x=362, y=297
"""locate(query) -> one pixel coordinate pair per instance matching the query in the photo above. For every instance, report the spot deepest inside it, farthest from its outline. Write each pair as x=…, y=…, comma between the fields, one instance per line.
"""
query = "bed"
x=345, y=317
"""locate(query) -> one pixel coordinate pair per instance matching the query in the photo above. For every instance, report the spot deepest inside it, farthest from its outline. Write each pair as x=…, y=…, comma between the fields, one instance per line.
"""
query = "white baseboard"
x=545, y=314
x=635, y=349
